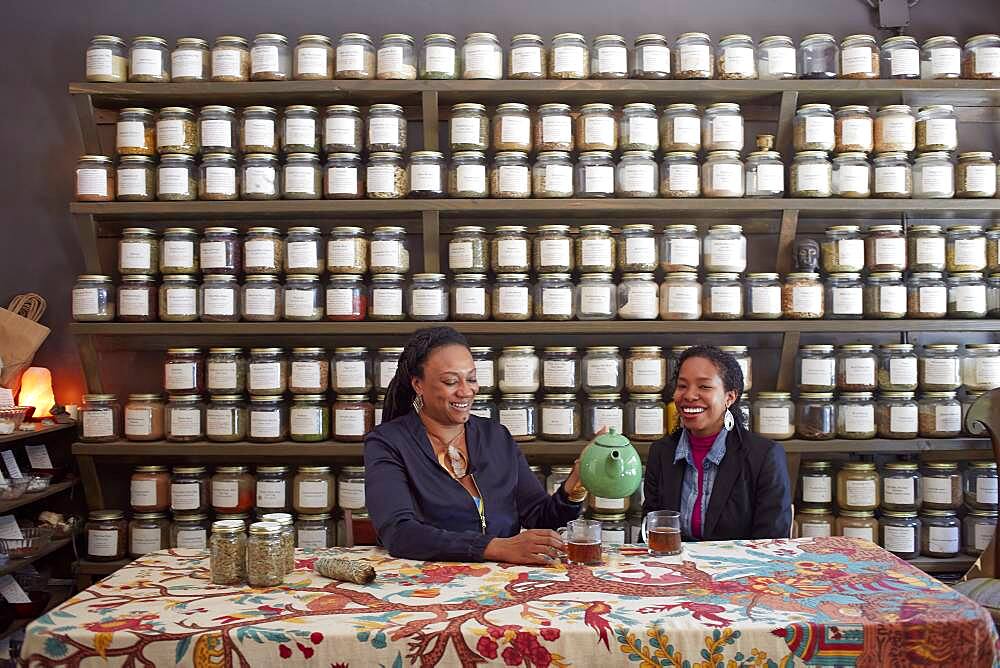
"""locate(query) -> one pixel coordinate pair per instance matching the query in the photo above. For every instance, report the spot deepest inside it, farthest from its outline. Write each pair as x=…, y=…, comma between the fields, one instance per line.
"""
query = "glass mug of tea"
x=661, y=531
x=583, y=542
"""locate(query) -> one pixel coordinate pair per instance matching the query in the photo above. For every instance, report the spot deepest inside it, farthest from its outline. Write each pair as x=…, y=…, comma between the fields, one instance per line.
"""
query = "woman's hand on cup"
x=534, y=546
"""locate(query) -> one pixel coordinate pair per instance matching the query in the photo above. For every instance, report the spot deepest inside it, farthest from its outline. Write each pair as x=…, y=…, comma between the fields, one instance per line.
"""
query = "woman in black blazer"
x=727, y=483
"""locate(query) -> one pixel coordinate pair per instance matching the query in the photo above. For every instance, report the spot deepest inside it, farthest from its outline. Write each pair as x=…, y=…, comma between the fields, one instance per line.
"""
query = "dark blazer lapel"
x=725, y=480
x=672, y=477
x=419, y=434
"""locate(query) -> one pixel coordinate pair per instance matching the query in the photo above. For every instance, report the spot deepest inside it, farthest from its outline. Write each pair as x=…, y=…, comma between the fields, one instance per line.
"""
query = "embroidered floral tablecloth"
x=812, y=601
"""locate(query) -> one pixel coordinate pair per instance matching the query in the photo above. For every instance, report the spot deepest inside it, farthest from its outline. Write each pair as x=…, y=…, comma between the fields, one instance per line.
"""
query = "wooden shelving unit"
x=28, y=499
x=39, y=432
x=774, y=102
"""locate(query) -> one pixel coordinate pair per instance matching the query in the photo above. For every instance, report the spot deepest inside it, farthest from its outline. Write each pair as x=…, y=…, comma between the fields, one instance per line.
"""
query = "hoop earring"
x=418, y=403
x=729, y=422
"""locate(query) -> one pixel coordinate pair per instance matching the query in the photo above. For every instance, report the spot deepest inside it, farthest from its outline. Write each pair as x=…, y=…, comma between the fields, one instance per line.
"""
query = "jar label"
x=899, y=539
x=819, y=130
x=769, y=179
x=892, y=299
x=351, y=494
x=314, y=494
x=513, y=300
x=941, y=372
x=512, y=252
x=684, y=300
x=147, y=62
x=169, y=132
x=440, y=59
x=300, y=131
x=861, y=493
x=905, y=62
x=557, y=130
x=513, y=179
x=903, y=371
x=774, y=420
x=516, y=420
x=655, y=58
x=738, y=60
x=695, y=58
x=484, y=373
x=182, y=301
x=133, y=302
x=649, y=421
x=818, y=372
x=646, y=373
x=639, y=178
x=138, y=422
x=853, y=179
x=817, y=489
x=595, y=299
x=847, y=301
x=386, y=253
x=640, y=301
x=265, y=423
x=226, y=63
x=312, y=539
x=220, y=422
x=265, y=376
x=983, y=536
x=351, y=57
x=727, y=178
x=890, y=180
x=526, y=60
x=339, y=301
x=514, y=130
x=948, y=418
x=258, y=132
x=220, y=180
x=640, y=250
x=970, y=251
x=259, y=301
x=890, y=251
x=259, y=180
x=185, y=422
x=303, y=254
x=557, y=420
x=340, y=130
x=482, y=61
x=99, y=63
x=897, y=130
x=222, y=375
x=930, y=250
x=306, y=374
x=687, y=130
x=306, y=421
x=727, y=300
x=270, y=493
x=599, y=179
x=858, y=419
x=781, y=60
x=899, y=491
x=213, y=253
x=943, y=540
x=144, y=541
x=142, y=493
x=465, y=131
x=558, y=373
x=612, y=60
x=172, y=181
x=970, y=298
x=98, y=423
x=264, y=59
x=568, y=59
x=812, y=178
x=807, y=298
x=933, y=300
x=903, y=419
x=425, y=178
x=937, y=179
x=216, y=133
x=765, y=299
x=683, y=178
x=300, y=179
x=130, y=134
x=180, y=376
x=299, y=303
x=555, y=253
x=602, y=373
x=856, y=60
x=192, y=539
x=219, y=302
x=987, y=60
x=311, y=60
x=102, y=542
x=519, y=372
x=981, y=179
x=185, y=496
x=599, y=130
x=596, y=252
x=342, y=253
x=349, y=422
x=941, y=131
x=610, y=418
x=225, y=493
x=609, y=537
x=387, y=301
x=387, y=370
x=987, y=371
x=946, y=60
x=864, y=533
x=471, y=178
x=815, y=529
x=727, y=130
x=558, y=178
x=426, y=302
x=856, y=132
x=383, y=130
x=349, y=374
x=643, y=130
x=132, y=182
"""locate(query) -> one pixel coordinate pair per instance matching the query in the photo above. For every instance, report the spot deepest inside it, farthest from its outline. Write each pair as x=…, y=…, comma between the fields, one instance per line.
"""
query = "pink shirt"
x=700, y=445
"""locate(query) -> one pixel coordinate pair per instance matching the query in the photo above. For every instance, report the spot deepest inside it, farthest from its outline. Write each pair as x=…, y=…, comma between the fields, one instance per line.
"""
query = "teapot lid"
x=612, y=439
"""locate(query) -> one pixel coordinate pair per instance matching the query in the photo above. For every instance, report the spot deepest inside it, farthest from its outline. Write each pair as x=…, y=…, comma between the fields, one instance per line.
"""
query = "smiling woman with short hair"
x=727, y=483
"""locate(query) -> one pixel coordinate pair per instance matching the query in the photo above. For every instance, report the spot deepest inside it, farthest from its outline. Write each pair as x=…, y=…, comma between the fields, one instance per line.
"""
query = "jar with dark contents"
x=226, y=418
x=901, y=491
x=189, y=489
x=268, y=419
x=940, y=534
x=978, y=529
x=602, y=410
x=941, y=486
x=896, y=415
x=184, y=418
x=856, y=416
x=814, y=416
x=262, y=299
x=816, y=483
x=980, y=484
x=645, y=417
x=220, y=252
x=885, y=248
x=885, y=296
x=100, y=419
x=138, y=299
x=552, y=248
x=148, y=532
x=134, y=179
x=219, y=299
x=184, y=371
x=561, y=417
x=267, y=372
x=107, y=535
x=519, y=414
x=900, y=533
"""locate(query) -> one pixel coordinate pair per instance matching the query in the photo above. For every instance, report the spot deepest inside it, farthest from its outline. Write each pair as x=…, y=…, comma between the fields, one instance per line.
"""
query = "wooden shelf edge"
x=15, y=564
x=28, y=499
x=86, y=567
x=45, y=431
x=948, y=565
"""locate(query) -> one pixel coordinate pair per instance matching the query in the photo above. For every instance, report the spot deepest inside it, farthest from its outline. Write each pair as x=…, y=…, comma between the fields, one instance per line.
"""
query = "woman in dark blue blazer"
x=444, y=485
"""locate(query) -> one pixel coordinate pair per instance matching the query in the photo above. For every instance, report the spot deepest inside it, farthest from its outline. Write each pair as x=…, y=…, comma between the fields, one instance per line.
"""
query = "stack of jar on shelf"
x=693, y=56
x=857, y=371
x=899, y=492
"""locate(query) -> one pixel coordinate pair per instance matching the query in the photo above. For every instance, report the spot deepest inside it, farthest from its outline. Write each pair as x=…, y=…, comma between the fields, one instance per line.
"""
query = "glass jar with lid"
x=258, y=130
x=652, y=57
x=471, y=298
x=980, y=484
x=353, y=417
x=722, y=128
x=342, y=129
x=346, y=298
x=595, y=249
x=681, y=296
x=268, y=419
x=438, y=59
x=386, y=362
x=893, y=176
x=722, y=174
x=936, y=128
x=528, y=57
x=595, y=175
x=518, y=370
x=561, y=417
x=856, y=415
x=386, y=176
x=149, y=489
x=265, y=561
x=138, y=252
x=555, y=297
x=776, y=58
x=427, y=297
x=965, y=249
x=680, y=248
x=941, y=58
x=856, y=368
x=815, y=417
x=978, y=529
x=927, y=295
x=925, y=245
x=176, y=178
x=722, y=297
x=217, y=129
x=897, y=367
x=858, y=487
x=815, y=521
x=107, y=535
x=765, y=174
x=596, y=297
x=568, y=57
x=645, y=370
x=901, y=487
x=763, y=296
x=107, y=59
x=680, y=128
x=511, y=297
x=901, y=57
x=933, y=176
x=309, y=418
x=273, y=489
x=966, y=295
x=895, y=129
x=100, y=418
x=602, y=370
x=885, y=295
x=897, y=415
x=900, y=533
x=602, y=410
x=560, y=370
x=844, y=296
x=816, y=482
x=725, y=249
x=388, y=251
x=263, y=299
x=261, y=177
x=396, y=57
x=303, y=177
x=232, y=490
x=184, y=418
x=637, y=250
x=183, y=371
x=314, y=57
x=135, y=132
x=814, y=128
x=315, y=531
x=811, y=175
x=638, y=127
x=773, y=415
x=226, y=418
x=885, y=248
x=218, y=180
x=385, y=298
x=940, y=415
x=981, y=367
x=942, y=486
x=861, y=525
x=176, y=132
x=133, y=180
x=345, y=176
x=386, y=129
x=469, y=127
x=350, y=371
x=512, y=128
x=426, y=174
x=510, y=176
x=219, y=299
x=304, y=298
x=853, y=131
x=482, y=56
x=637, y=175
x=802, y=296
x=267, y=372
x=819, y=57
x=976, y=175
x=552, y=175
x=303, y=251
x=939, y=368
x=596, y=129
x=979, y=57
x=519, y=414
x=680, y=175
x=554, y=128
x=355, y=57
x=553, y=249
x=144, y=417
x=149, y=59
x=940, y=534
x=467, y=175
x=992, y=295
x=483, y=357
x=736, y=58
x=644, y=417
x=226, y=371
x=693, y=57
x=859, y=57
x=609, y=58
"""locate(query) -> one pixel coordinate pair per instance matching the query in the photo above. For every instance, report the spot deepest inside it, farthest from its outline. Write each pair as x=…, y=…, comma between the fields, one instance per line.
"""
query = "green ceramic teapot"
x=610, y=467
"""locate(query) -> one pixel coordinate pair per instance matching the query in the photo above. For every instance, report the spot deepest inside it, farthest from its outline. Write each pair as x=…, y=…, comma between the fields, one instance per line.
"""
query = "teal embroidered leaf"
x=182, y=648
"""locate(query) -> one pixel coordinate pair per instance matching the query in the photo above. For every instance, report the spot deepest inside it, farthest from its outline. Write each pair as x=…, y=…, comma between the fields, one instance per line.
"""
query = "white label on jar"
x=890, y=251
x=425, y=178
x=686, y=251
x=970, y=298
x=270, y=493
x=948, y=418
x=595, y=299
x=300, y=179
x=641, y=250
x=892, y=299
x=386, y=253
x=855, y=179
x=555, y=252
x=642, y=130
x=258, y=132
x=727, y=178
x=213, y=254
x=864, y=533
x=683, y=299
x=819, y=130
x=465, y=131
x=440, y=59
x=260, y=253
x=265, y=424
x=306, y=420
x=739, y=60
x=683, y=178
x=903, y=419
x=341, y=252
x=727, y=299
x=983, y=535
x=222, y=375
x=220, y=180
x=557, y=420
x=350, y=373
x=861, y=492
x=890, y=180
x=856, y=132
x=773, y=420
x=930, y=251
x=97, y=424
x=311, y=60
x=512, y=252
x=612, y=419
x=514, y=130
x=484, y=373
x=899, y=539
x=299, y=303
x=259, y=180
x=557, y=129
x=769, y=179
x=305, y=374
x=471, y=178
x=655, y=59
x=134, y=256
x=933, y=300
x=216, y=133
x=144, y=541
x=640, y=178
x=813, y=177
x=99, y=63
x=818, y=372
x=519, y=372
x=557, y=301
x=781, y=60
x=513, y=179
x=225, y=493
x=513, y=300
x=185, y=496
x=941, y=131
x=185, y=422
x=602, y=373
x=815, y=530
x=946, y=60
x=302, y=254
x=483, y=61
x=898, y=131
x=905, y=62
x=226, y=63
x=351, y=494
x=599, y=179
x=941, y=372
x=986, y=371
x=265, y=375
x=727, y=129
x=943, y=540
x=981, y=178
x=695, y=58
x=987, y=59
x=172, y=181
x=986, y=490
x=313, y=494
x=180, y=376
x=807, y=299
x=264, y=59
x=130, y=134
x=147, y=62
x=426, y=302
x=937, y=179
x=143, y=492
x=516, y=420
x=312, y=539
x=596, y=252
x=856, y=60
x=649, y=420
x=219, y=422
x=859, y=419
x=340, y=130
x=217, y=302
x=646, y=372
x=339, y=301
x=132, y=182
x=102, y=542
x=259, y=301
x=387, y=370
x=169, y=133
x=138, y=422
x=559, y=178
x=899, y=491
x=526, y=60
x=612, y=59
x=568, y=59
x=599, y=130
x=970, y=251
x=383, y=130
x=766, y=299
x=349, y=422
x=558, y=373
x=387, y=302
x=192, y=539
x=350, y=57
x=903, y=371
x=816, y=489
x=847, y=301
x=300, y=131
x=687, y=130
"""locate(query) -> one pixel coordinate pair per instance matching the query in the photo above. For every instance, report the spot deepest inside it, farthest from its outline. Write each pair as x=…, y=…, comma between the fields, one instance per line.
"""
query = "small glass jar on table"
x=773, y=415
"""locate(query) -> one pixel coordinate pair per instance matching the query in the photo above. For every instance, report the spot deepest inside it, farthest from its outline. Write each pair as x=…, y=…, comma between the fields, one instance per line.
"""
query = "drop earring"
x=729, y=422
x=418, y=403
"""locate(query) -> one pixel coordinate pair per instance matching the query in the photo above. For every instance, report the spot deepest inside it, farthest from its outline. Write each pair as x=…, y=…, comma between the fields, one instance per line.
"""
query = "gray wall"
x=42, y=46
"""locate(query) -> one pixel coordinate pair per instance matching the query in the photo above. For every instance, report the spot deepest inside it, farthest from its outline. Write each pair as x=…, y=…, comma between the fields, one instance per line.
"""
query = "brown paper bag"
x=20, y=339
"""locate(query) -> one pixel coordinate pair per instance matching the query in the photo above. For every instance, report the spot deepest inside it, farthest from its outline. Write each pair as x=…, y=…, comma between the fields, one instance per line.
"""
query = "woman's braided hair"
x=729, y=369
x=399, y=395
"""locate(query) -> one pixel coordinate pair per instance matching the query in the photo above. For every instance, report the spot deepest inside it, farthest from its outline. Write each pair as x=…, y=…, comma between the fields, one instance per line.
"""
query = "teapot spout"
x=615, y=466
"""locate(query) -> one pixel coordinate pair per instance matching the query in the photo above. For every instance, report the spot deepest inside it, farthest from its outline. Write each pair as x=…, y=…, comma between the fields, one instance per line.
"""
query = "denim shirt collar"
x=715, y=453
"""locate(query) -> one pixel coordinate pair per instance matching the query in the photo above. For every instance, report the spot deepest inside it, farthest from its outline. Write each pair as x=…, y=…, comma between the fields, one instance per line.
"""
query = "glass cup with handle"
x=583, y=542
x=661, y=531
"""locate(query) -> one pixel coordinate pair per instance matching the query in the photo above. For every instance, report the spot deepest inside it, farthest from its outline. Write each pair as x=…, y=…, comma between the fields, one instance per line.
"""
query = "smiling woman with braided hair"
x=444, y=485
